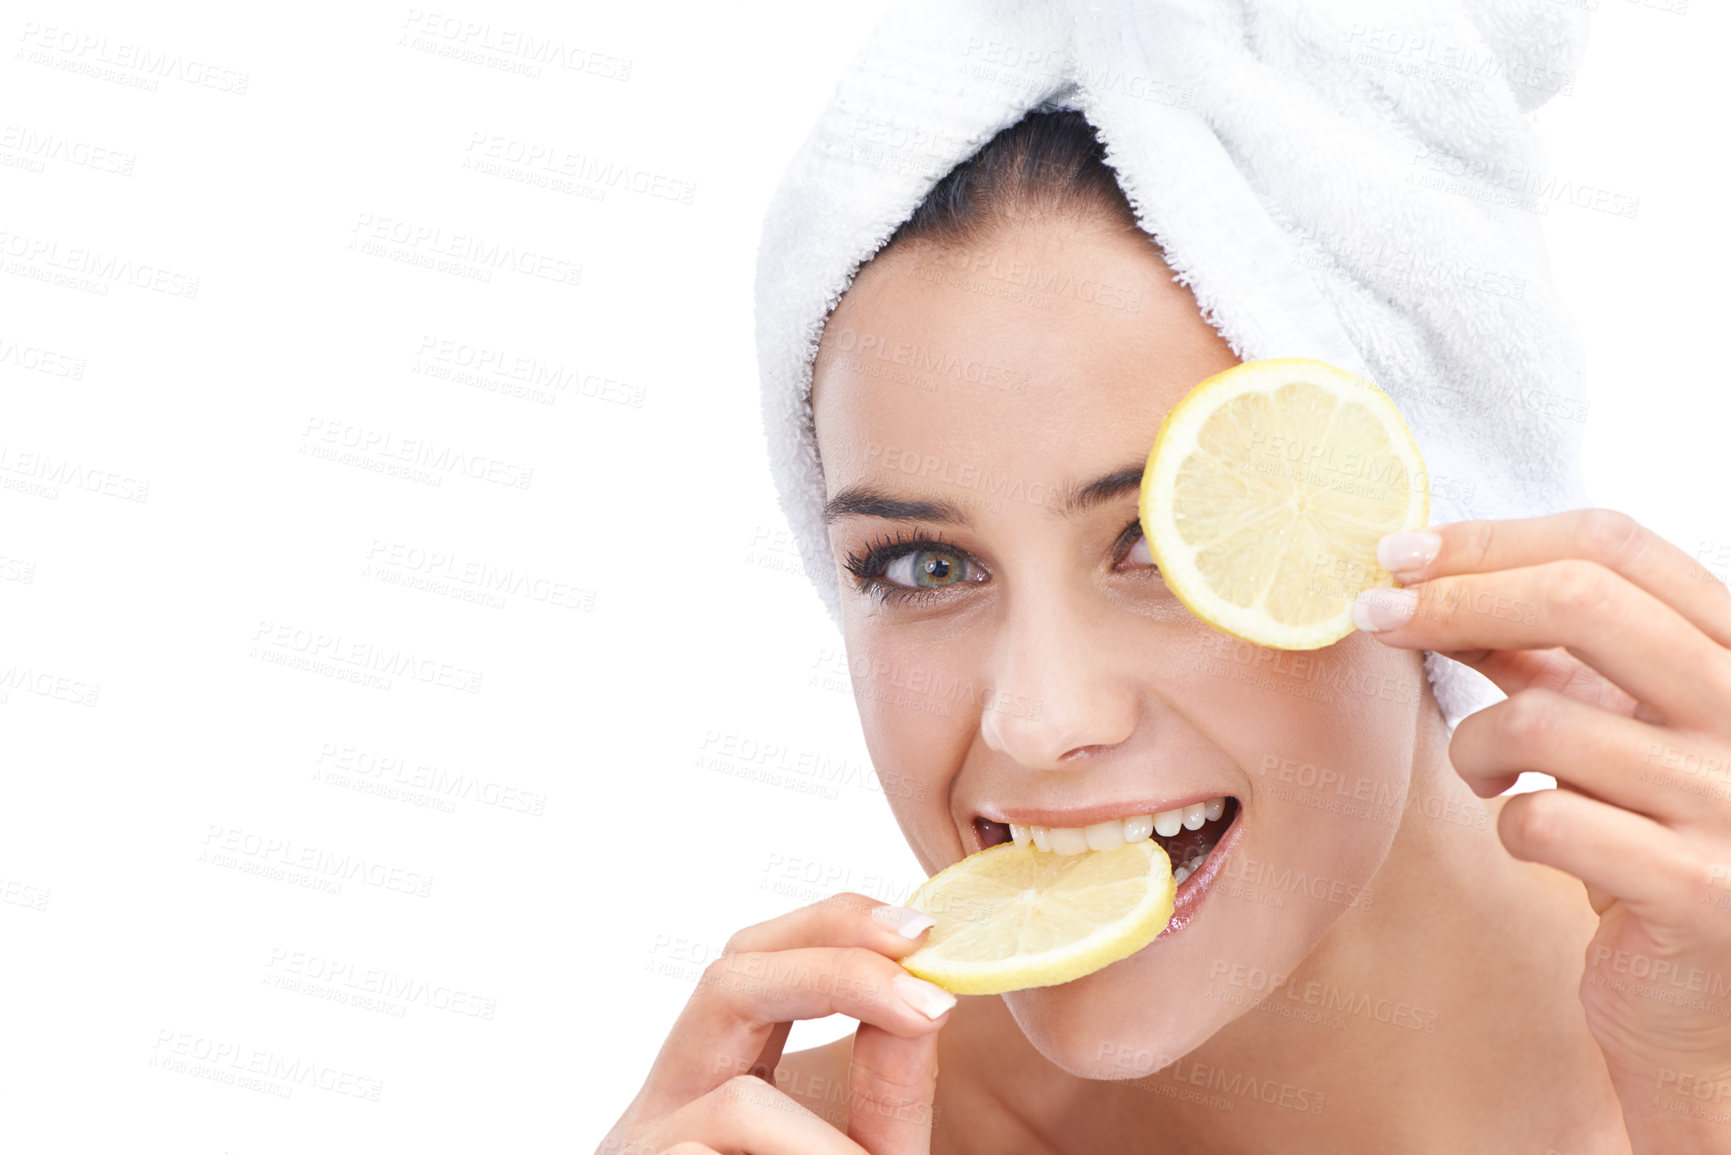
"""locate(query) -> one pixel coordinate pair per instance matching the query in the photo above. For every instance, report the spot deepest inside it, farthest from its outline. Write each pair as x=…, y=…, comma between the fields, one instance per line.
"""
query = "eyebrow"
x=864, y=501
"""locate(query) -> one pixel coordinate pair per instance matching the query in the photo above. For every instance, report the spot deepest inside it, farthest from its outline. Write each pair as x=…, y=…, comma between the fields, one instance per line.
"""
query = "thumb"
x=891, y=1084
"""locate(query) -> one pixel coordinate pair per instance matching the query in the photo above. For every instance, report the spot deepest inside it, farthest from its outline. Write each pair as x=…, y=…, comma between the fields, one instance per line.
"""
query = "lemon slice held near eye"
x=1266, y=492
x=1011, y=917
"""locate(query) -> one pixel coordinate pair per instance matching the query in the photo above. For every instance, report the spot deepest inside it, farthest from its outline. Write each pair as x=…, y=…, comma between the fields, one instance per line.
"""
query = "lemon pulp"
x=1266, y=492
x=1011, y=917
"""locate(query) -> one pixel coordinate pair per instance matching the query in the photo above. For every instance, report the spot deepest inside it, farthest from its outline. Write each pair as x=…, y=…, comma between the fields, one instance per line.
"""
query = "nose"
x=1061, y=686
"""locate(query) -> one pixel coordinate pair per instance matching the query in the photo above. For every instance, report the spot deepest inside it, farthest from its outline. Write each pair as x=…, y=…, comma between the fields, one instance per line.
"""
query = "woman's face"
x=983, y=415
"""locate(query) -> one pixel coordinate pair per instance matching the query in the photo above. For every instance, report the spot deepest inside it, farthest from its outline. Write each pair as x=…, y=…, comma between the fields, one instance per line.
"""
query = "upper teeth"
x=1115, y=832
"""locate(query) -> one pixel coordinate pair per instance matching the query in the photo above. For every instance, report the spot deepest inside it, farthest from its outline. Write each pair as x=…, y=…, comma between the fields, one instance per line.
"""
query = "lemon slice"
x=1266, y=492
x=1014, y=916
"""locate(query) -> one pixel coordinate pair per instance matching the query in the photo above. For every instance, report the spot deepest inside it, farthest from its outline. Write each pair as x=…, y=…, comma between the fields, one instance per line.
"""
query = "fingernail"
x=1382, y=609
x=904, y=920
x=1404, y=553
x=928, y=999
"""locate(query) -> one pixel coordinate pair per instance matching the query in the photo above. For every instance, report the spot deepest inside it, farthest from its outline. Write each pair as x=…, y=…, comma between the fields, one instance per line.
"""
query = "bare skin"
x=1386, y=1087
x=1422, y=992
x=1414, y=943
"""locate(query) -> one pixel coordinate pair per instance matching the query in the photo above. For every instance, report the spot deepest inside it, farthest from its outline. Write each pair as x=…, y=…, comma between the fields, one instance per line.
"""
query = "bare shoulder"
x=817, y=1079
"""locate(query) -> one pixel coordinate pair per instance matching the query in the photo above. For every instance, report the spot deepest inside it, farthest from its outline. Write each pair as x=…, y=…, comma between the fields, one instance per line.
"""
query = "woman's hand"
x=1614, y=648
x=711, y=1088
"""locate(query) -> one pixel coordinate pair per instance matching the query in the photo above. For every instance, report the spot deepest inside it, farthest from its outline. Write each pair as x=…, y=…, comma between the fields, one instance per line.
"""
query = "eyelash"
x=868, y=568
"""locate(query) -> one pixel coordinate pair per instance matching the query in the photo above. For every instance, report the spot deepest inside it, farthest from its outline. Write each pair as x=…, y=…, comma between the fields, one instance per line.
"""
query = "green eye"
x=929, y=569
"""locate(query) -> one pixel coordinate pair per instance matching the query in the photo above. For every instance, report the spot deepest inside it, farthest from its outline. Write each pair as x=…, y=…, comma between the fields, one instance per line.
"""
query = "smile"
x=1188, y=834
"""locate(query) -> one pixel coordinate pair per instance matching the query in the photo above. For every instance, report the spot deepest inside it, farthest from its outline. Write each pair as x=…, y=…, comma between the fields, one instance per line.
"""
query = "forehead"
x=1043, y=350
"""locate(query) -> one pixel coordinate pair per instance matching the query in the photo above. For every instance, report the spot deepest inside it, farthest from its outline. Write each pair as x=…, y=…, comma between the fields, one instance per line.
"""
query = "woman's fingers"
x=1613, y=540
x=1625, y=633
x=1629, y=714
x=845, y=919
x=1554, y=669
x=770, y=1057
x=1642, y=862
x=891, y=1085
x=741, y=998
x=746, y=1114
x=892, y=1082
x=1645, y=768
x=783, y=970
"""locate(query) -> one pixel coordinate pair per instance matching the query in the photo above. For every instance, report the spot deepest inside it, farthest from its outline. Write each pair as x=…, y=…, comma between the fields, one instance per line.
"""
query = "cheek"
x=1326, y=749
x=1329, y=759
x=919, y=712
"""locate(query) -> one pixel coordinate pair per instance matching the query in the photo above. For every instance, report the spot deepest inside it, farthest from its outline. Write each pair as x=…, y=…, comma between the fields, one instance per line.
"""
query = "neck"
x=1443, y=1017
x=1457, y=986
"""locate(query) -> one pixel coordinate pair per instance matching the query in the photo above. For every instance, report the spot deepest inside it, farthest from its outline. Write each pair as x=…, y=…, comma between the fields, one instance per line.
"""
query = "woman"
x=1374, y=949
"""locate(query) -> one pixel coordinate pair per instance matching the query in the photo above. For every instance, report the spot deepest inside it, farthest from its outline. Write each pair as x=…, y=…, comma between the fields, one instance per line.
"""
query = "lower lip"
x=1195, y=888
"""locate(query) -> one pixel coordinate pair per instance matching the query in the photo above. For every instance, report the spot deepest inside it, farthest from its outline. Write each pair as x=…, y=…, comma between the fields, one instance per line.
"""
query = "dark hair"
x=1049, y=162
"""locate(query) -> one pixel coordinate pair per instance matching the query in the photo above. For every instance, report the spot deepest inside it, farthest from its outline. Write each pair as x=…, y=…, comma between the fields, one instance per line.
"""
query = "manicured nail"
x=1382, y=609
x=928, y=999
x=1405, y=553
x=904, y=920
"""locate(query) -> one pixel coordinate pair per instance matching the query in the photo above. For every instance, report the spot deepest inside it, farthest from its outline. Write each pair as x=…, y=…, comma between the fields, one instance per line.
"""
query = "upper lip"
x=1088, y=815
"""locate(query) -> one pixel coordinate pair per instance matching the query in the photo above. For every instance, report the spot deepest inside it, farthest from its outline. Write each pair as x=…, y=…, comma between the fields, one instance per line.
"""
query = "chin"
x=1104, y=1045
x=1143, y=1013
x=1132, y=1018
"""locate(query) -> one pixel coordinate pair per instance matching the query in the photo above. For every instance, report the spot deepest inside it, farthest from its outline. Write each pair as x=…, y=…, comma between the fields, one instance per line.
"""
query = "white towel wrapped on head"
x=1337, y=180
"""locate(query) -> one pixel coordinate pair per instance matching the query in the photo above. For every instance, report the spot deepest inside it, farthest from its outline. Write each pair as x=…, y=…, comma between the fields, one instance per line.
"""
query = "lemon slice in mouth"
x=1266, y=492
x=1012, y=917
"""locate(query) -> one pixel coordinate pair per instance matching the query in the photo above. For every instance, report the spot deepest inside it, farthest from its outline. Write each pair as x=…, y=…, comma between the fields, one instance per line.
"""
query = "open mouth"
x=1188, y=834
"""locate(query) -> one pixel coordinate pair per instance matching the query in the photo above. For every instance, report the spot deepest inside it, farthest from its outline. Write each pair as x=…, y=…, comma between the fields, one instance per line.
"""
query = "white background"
x=585, y=859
